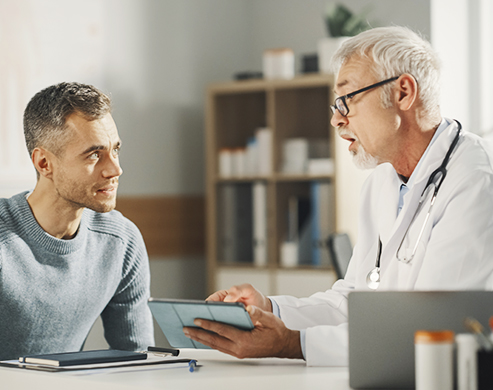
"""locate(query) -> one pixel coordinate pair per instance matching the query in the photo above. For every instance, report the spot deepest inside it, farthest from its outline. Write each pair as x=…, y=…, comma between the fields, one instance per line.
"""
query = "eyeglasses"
x=340, y=103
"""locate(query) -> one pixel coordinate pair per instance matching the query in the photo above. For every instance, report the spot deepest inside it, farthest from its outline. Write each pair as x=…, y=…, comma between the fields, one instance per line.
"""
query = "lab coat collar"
x=392, y=225
x=436, y=151
x=444, y=124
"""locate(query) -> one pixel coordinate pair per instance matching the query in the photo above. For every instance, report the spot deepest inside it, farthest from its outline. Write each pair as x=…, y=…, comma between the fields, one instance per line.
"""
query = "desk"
x=218, y=371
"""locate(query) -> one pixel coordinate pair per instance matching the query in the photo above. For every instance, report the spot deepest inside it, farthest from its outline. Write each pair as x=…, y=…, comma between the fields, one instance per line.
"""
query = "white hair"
x=395, y=51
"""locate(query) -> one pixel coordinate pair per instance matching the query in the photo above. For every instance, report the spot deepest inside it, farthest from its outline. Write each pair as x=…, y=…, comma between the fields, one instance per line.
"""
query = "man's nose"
x=338, y=119
x=112, y=168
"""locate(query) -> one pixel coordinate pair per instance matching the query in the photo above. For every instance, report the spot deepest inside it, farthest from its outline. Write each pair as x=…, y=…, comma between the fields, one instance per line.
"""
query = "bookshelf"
x=291, y=109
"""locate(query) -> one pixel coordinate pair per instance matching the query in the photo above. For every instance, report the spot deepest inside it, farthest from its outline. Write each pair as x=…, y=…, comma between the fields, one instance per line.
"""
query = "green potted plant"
x=341, y=23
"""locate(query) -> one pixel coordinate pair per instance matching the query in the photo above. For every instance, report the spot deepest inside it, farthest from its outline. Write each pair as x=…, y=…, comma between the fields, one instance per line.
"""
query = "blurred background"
x=155, y=59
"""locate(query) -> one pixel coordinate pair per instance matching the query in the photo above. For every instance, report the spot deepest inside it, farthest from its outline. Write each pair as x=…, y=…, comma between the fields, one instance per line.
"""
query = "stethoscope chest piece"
x=373, y=278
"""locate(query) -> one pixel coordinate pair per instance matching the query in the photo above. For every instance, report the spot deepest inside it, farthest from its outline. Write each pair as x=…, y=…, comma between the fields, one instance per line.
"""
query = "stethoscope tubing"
x=373, y=277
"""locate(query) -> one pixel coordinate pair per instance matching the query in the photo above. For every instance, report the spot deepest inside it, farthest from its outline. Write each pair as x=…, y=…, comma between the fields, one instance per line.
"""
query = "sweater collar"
x=33, y=233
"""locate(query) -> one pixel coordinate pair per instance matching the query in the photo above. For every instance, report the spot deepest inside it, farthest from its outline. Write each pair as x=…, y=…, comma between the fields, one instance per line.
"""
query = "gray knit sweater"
x=52, y=290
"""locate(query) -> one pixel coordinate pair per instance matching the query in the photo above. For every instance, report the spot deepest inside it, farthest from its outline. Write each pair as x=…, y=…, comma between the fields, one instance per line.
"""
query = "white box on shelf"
x=239, y=162
x=225, y=162
x=264, y=141
x=295, y=155
x=289, y=254
x=321, y=166
x=278, y=64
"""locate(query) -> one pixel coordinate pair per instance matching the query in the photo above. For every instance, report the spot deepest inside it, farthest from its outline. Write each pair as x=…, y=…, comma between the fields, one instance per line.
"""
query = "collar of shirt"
x=405, y=187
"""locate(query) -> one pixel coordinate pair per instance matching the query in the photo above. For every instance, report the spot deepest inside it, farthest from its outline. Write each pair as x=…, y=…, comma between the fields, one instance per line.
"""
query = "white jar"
x=278, y=64
x=289, y=254
x=225, y=162
x=239, y=162
x=467, y=361
x=434, y=360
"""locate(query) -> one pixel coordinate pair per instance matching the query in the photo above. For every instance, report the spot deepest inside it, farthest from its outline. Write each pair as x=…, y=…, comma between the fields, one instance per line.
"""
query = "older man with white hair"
x=426, y=218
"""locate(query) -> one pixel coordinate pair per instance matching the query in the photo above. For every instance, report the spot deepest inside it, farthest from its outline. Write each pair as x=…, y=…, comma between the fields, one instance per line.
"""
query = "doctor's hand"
x=269, y=338
x=244, y=293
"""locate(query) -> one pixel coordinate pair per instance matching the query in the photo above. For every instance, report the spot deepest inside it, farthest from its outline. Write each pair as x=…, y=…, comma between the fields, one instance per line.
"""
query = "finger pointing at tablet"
x=244, y=293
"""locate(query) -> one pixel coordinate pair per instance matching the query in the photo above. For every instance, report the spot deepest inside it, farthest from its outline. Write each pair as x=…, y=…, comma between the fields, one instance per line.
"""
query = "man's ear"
x=43, y=162
x=406, y=92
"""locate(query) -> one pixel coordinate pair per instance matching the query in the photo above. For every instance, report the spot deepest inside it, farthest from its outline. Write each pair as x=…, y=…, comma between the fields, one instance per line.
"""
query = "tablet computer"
x=173, y=314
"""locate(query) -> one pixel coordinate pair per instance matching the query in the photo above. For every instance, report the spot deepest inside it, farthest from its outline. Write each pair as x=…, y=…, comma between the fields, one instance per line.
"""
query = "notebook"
x=83, y=357
x=382, y=326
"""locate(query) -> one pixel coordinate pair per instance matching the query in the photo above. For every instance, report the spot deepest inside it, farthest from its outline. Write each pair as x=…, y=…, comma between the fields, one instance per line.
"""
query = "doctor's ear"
x=43, y=162
x=406, y=92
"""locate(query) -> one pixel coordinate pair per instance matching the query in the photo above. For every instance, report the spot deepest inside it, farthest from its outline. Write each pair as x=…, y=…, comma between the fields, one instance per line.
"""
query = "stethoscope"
x=432, y=187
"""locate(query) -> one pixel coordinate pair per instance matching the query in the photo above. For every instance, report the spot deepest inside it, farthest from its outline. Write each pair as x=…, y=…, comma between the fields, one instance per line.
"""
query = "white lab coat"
x=455, y=251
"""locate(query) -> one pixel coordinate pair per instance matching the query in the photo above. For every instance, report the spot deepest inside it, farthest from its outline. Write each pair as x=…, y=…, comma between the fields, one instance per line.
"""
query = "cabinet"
x=291, y=109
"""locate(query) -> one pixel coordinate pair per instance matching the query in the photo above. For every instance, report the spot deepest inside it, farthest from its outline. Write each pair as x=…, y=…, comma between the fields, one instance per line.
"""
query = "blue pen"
x=192, y=365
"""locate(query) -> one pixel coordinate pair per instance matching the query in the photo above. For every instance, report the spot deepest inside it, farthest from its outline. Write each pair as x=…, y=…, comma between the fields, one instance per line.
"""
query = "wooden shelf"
x=275, y=179
x=260, y=85
x=291, y=109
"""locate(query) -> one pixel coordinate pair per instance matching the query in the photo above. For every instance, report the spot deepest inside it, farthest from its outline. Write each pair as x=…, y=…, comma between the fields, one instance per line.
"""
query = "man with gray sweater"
x=66, y=256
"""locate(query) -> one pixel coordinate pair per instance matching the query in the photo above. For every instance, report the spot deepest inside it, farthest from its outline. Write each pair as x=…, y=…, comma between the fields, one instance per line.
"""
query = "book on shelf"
x=310, y=222
x=251, y=160
x=322, y=200
x=259, y=191
x=299, y=230
x=235, y=223
x=264, y=144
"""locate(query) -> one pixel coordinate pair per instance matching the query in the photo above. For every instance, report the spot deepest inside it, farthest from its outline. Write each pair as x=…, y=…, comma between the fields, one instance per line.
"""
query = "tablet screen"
x=173, y=314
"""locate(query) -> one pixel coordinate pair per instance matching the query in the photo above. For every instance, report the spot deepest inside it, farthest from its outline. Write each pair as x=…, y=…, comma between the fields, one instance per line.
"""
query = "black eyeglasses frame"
x=340, y=102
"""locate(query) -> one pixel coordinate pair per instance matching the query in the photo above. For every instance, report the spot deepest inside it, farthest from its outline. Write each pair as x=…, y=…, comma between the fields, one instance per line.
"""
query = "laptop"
x=382, y=326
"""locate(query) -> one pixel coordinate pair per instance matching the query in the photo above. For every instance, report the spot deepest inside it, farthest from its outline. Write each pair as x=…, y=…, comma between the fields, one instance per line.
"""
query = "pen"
x=192, y=365
x=474, y=326
x=491, y=328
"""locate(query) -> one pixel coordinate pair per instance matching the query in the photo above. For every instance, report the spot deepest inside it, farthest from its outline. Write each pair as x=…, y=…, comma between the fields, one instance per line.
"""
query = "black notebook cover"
x=83, y=357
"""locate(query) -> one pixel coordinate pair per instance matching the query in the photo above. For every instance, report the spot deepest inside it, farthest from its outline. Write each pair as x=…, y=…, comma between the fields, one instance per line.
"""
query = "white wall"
x=41, y=45
x=160, y=56
x=464, y=41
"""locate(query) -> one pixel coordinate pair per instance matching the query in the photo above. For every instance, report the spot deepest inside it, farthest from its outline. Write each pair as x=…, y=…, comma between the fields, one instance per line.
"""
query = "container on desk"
x=485, y=370
x=434, y=359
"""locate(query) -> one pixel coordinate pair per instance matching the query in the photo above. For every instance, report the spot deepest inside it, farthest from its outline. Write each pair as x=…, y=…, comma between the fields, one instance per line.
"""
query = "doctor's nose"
x=338, y=119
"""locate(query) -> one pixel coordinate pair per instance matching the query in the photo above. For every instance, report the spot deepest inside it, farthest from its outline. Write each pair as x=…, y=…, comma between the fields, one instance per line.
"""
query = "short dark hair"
x=46, y=114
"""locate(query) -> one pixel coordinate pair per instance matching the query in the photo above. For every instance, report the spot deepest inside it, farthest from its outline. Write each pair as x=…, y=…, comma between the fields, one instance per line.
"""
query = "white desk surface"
x=217, y=371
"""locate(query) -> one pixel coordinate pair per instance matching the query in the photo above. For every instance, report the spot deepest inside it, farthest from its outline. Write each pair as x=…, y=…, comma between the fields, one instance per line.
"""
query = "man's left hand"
x=269, y=338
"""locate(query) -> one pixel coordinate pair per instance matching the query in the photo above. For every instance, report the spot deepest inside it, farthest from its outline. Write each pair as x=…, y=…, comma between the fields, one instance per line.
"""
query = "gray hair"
x=46, y=114
x=395, y=51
